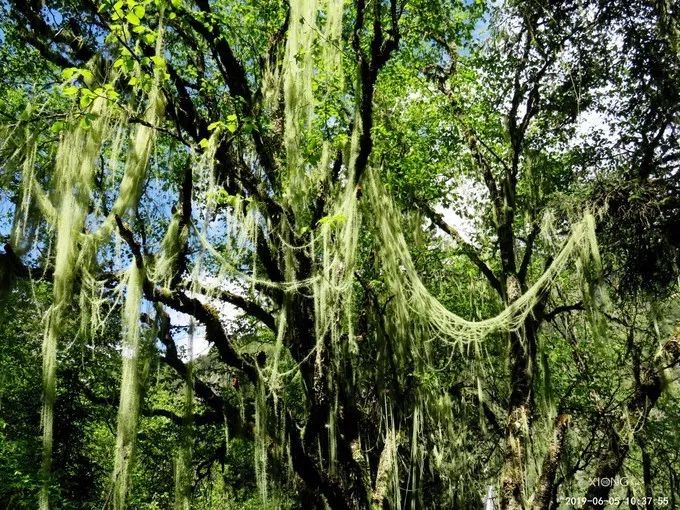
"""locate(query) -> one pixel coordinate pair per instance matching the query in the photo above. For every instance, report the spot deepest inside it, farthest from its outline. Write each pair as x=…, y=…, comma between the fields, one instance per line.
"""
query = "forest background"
x=339, y=254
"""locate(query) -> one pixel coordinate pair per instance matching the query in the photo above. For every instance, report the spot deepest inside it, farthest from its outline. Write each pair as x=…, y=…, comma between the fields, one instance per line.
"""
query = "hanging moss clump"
x=128, y=407
x=23, y=224
x=297, y=86
x=74, y=171
x=183, y=464
x=413, y=300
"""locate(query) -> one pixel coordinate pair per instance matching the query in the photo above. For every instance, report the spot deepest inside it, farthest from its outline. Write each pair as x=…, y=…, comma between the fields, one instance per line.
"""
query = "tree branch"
x=562, y=309
x=202, y=312
x=466, y=247
x=250, y=307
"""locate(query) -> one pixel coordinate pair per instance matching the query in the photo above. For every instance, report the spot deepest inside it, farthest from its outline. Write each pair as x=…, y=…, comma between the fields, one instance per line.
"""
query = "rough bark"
x=522, y=355
x=546, y=483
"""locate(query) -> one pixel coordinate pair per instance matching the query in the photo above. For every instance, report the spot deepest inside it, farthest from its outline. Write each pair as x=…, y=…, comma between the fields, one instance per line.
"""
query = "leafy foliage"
x=329, y=254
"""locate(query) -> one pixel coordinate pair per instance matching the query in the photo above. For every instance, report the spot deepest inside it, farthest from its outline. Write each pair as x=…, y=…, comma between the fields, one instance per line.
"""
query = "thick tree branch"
x=234, y=75
x=221, y=408
x=248, y=306
x=67, y=35
x=563, y=309
x=204, y=313
x=528, y=253
x=381, y=49
x=465, y=247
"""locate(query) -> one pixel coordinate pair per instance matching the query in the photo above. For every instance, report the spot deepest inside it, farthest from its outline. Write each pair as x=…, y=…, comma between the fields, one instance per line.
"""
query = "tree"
x=276, y=171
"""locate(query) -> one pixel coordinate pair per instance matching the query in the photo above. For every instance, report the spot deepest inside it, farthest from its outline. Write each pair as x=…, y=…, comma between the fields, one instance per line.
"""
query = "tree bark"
x=522, y=356
x=546, y=483
x=647, y=473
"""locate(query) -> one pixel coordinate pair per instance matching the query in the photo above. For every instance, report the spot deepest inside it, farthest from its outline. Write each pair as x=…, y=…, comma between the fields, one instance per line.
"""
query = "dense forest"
x=339, y=254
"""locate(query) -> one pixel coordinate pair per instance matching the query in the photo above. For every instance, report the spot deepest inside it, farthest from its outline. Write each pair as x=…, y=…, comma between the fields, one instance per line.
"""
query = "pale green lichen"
x=128, y=407
x=74, y=171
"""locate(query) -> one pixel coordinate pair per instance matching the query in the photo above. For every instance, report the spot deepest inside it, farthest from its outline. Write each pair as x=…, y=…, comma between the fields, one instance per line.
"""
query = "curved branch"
x=466, y=247
x=204, y=313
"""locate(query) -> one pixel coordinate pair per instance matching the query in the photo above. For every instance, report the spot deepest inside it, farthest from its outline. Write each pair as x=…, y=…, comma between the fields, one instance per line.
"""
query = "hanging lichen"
x=130, y=191
x=297, y=81
x=184, y=457
x=387, y=473
x=261, y=440
x=22, y=227
x=413, y=300
x=332, y=46
x=171, y=247
x=140, y=152
x=74, y=170
x=128, y=407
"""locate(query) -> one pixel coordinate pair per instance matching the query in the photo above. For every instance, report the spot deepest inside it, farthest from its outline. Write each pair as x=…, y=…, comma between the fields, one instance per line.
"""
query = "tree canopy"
x=366, y=254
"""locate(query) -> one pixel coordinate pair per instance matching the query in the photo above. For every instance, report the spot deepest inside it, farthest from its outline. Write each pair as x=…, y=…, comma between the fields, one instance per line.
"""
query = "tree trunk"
x=546, y=484
x=522, y=356
x=647, y=473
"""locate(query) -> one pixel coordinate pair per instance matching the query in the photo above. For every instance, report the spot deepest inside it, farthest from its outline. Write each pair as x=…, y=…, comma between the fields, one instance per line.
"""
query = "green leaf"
x=86, y=100
x=71, y=90
x=85, y=122
x=57, y=127
x=330, y=220
x=203, y=143
x=69, y=72
x=132, y=18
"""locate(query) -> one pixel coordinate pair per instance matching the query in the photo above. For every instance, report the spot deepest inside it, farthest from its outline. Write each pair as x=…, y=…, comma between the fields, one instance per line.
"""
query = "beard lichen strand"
x=134, y=175
x=261, y=440
x=337, y=239
x=412, y=299
x=144, y=138
x=73, y=175
x=183, y=467
x=333, y=291
x=312, y=59
x=298, y=71
x=139, y=155
x=21, y=233
x=332, y=47
x=241, y=220
x=128, y=408
x=165, y=266
x=387, y=477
